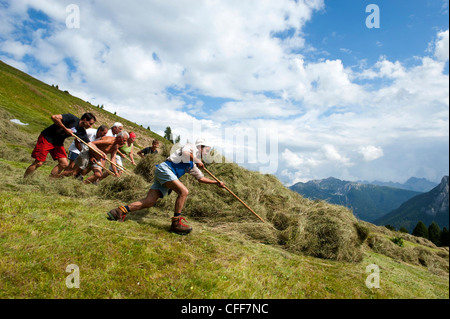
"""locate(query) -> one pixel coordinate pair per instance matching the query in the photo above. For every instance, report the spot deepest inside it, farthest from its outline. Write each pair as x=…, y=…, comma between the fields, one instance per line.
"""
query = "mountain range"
x=383, y=205
x=367, y=201
x=413, y=184
x=427, y=207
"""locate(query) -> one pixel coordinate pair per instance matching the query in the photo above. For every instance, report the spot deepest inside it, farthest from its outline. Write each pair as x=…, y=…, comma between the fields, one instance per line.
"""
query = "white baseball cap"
x=202, y=142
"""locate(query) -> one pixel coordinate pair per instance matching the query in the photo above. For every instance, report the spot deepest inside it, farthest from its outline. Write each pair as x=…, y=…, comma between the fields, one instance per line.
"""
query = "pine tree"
x=434, y=233
x=444, y=237
x=420, y=230
x=168, y=134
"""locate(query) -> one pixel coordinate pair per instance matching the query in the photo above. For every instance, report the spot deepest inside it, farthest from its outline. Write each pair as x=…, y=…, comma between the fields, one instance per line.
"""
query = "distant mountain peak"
x=440, y=203
x=426, y=207
x=413, y=183
x=368, y=202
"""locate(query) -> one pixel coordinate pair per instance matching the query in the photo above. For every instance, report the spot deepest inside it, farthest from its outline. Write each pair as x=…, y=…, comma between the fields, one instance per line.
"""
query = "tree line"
x=433, y=233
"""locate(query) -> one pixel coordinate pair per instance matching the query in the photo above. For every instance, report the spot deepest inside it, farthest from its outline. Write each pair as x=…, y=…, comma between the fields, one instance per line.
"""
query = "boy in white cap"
x=186, y=159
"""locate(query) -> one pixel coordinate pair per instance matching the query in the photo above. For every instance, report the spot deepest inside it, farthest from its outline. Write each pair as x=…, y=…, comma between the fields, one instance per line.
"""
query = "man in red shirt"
x=51, y=140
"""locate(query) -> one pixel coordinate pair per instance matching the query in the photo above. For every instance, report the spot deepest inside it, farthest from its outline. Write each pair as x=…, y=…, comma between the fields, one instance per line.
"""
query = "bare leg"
x=105, y=175
x=179, y=188
x=33, y=167
x=97, y=175
x=120, y=213
x=178, y=226
x=68, y=171
x=152, y=196
x=62, y=164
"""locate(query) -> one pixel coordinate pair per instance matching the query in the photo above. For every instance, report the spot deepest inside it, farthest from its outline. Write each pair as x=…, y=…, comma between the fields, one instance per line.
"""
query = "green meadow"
x=305, y=250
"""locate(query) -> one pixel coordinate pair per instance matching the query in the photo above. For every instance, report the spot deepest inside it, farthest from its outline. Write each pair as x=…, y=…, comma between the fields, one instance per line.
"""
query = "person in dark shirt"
x=149, y=150
x=51, y=140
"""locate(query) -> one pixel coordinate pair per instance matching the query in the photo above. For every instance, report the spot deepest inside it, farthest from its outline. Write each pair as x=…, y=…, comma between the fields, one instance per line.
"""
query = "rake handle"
x=116, y=165
x=110, y=173
x=235, y=196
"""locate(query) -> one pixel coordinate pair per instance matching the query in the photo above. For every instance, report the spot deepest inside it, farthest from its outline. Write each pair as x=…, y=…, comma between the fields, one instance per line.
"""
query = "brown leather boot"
x=119, y=214
x=179, y=227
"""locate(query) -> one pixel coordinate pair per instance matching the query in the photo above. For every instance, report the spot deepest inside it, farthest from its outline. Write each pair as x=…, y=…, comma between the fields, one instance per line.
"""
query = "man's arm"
x=205, y=180
x=114, y=151
x=131, y=155
x=57, y=119
x=78, y=145
x=94, y=148
x=194, y=159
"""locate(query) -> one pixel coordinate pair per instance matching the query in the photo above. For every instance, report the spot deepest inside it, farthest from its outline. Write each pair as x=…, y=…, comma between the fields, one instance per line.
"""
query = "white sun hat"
x=202, y=142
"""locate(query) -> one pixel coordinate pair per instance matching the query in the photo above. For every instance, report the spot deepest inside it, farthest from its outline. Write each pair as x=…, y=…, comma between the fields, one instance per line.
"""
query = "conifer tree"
x=444, y=237
x=420, y=230
x=434, y=233
x=168, y=134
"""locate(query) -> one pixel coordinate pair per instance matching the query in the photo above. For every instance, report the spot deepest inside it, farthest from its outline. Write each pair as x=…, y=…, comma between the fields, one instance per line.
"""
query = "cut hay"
x=126, y=188
x=435, y=261
x=314, y=228
x=146, y=166
x=327, y=232
x=256, y=231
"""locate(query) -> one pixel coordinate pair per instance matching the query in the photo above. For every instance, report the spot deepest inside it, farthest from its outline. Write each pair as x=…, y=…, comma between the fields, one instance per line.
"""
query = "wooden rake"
x=116, y=165
x=234, y=195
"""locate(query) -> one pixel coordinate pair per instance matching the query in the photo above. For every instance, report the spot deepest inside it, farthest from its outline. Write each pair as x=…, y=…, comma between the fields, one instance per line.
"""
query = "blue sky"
x=306, y=80
x=406, y=28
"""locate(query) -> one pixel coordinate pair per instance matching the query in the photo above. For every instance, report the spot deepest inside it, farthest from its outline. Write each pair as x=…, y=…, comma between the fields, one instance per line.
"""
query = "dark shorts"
x=43, y=147
x=73, y=156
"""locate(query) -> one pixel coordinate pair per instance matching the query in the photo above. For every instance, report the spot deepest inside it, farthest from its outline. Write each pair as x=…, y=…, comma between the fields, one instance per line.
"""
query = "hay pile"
x=328, y=232
x=314, y=228
x=299, y=225
x=146, y=166
x=127, y=188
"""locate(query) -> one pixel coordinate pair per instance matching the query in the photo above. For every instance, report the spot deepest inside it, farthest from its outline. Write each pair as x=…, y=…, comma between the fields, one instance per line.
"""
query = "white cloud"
x=15, y=48
x=333, y=155
x=255, y=106
x=370, y=152
x=384, y=68
x=130, y=55
x=441, y=49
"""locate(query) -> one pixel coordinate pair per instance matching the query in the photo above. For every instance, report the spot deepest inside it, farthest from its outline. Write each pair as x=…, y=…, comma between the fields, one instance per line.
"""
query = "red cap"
x=132, y=135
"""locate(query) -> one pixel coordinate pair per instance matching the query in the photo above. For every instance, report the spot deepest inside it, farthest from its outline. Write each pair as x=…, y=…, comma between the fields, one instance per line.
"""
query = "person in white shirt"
x=113, y=131
x=186, y=159
x=76, y=147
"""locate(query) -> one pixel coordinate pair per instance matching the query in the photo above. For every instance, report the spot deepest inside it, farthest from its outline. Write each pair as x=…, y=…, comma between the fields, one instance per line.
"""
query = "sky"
x=305, y=89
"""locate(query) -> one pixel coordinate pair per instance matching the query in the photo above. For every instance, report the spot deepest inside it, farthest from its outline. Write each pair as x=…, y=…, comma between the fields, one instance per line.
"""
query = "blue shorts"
x=73, y=156
x=163, y=174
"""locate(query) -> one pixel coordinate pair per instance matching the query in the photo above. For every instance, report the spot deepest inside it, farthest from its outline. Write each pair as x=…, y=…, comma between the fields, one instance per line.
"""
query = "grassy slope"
x=46, y=226
x=33, y=102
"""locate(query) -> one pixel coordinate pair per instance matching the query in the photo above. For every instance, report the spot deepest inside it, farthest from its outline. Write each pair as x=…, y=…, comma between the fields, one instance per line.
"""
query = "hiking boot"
x=179, y=227
x=119, y=214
